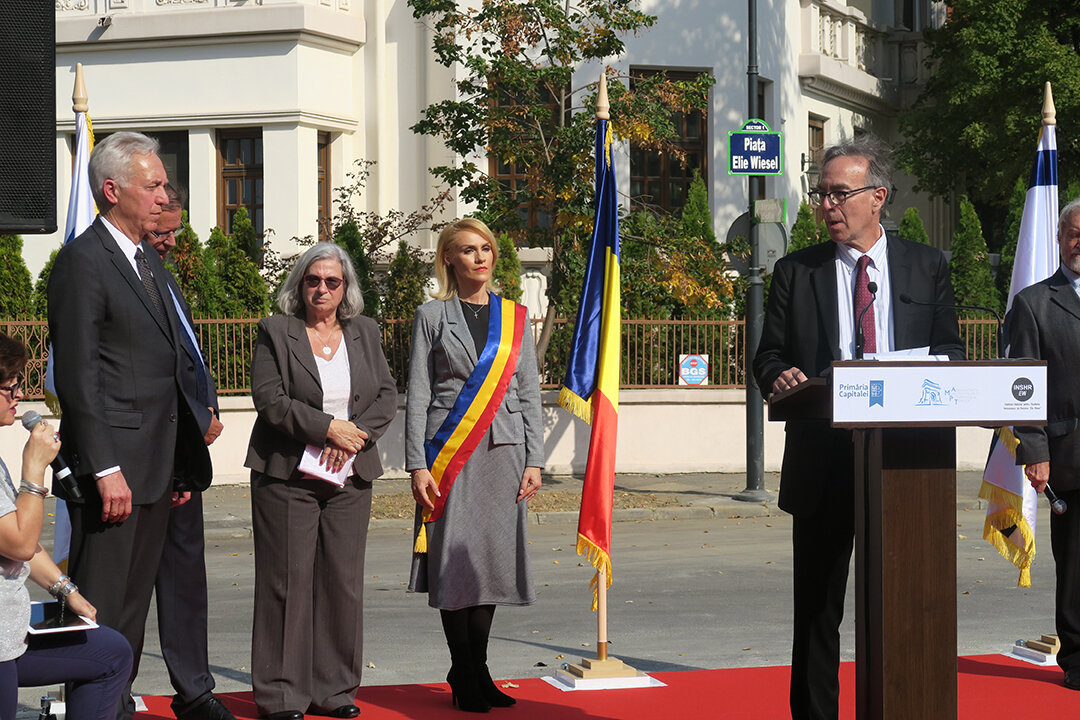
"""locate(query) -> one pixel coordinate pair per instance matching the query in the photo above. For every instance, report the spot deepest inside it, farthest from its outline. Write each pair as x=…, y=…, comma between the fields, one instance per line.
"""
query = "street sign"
x=753, y=149
x=693, y=369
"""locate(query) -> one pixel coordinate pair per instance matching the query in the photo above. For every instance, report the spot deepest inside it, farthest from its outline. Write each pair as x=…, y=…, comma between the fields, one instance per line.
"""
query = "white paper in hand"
x=310, y=466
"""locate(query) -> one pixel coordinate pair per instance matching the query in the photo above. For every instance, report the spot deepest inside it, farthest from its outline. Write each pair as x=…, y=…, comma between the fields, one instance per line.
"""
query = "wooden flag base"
x=592, y=668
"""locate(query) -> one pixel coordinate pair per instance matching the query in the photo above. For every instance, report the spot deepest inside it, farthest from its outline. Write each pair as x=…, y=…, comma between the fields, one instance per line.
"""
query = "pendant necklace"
x=327, y=350
x=474, y=309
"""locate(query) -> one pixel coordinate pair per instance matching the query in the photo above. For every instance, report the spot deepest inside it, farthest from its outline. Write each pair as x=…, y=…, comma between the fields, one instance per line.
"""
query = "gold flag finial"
x=1048, y=112
x=602, y=105
x=78, y=95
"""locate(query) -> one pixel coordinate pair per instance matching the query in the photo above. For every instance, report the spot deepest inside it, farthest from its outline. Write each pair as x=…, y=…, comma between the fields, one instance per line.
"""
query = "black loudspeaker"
x=28, y=117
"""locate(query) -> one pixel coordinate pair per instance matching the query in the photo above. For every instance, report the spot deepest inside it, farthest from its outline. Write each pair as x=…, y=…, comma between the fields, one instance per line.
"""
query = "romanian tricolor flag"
x=591, y=387
x=1011, y=501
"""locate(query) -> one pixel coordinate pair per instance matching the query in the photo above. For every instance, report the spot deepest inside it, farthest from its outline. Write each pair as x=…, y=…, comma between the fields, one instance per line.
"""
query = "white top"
x=336, y=381
x=877, y=271
x=14, y=599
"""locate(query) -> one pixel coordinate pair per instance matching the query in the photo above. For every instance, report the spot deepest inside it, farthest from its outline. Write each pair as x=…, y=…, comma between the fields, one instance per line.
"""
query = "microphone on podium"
x=908, y=300
x=860, y=338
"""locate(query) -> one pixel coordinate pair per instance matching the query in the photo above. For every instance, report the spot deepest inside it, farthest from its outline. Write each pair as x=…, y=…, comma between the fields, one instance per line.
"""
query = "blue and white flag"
x=80, y=215
x=1011, y=501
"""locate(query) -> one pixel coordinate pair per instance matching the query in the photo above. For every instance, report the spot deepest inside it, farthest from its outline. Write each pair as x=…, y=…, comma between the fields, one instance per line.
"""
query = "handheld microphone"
x=908, y=300
x=61, y=472
x=860, y=339
x=1057, y=505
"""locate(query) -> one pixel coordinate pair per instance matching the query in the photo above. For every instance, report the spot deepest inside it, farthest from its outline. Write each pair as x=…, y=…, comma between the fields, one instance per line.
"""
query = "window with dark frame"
x=325, y=218
x=535, y=220
x=815, y=145
x=240, y=172
x=660, y=179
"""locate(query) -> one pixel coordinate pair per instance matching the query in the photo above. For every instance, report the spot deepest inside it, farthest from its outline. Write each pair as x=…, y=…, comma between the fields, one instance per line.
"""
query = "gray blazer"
x=443, y=356
x=1044, y=324
x=287, y=393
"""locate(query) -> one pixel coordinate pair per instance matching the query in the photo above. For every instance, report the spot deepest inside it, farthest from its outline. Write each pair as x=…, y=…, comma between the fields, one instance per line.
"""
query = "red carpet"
x=990, y=686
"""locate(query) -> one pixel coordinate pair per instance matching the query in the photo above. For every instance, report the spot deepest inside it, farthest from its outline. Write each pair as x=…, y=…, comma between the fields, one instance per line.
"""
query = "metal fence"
x=650, y=350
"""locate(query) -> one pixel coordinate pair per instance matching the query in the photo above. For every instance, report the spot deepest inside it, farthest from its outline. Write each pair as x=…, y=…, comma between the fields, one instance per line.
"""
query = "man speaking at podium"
x=1044, y=324
x=817, y=296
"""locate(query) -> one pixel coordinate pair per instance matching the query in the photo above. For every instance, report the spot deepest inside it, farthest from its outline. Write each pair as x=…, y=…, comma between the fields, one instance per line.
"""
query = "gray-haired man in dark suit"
x=1044, y=324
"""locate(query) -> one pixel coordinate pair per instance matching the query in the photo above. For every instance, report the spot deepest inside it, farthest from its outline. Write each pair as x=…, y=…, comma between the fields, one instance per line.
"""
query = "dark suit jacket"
x=121, y=374
x=1044, y=324
x=802, y=329
x=288, y=396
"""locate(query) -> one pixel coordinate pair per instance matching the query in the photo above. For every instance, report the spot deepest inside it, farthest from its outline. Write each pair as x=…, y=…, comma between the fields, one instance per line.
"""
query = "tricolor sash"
x=475, y=407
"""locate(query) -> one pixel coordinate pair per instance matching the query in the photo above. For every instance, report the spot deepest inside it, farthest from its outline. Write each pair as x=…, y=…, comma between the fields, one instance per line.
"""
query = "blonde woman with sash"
x=474, y=449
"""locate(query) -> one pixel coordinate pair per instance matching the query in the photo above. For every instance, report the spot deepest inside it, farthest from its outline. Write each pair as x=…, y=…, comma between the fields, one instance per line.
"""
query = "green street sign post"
x=753, y=149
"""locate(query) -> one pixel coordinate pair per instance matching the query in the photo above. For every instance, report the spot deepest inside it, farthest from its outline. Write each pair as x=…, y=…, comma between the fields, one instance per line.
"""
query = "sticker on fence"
x=693, y=369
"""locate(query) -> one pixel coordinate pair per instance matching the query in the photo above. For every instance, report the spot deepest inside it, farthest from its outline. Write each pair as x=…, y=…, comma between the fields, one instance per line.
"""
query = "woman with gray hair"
x=324, y=394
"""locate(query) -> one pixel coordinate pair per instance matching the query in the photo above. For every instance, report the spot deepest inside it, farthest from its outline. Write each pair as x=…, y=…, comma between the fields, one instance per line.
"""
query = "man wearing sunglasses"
x=817, y=296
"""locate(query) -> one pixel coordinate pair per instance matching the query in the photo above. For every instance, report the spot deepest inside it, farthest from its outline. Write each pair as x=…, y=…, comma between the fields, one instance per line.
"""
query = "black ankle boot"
x=490, y=690
x=465, y=690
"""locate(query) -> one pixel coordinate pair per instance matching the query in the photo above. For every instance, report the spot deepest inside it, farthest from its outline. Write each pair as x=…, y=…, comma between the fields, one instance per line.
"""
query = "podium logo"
x=1023, y=389
x=877, y=393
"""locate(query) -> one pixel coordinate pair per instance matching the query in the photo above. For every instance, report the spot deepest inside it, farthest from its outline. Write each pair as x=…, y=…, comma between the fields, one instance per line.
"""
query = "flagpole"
x=603, y=112
x=79, y=98
x=1049, y=113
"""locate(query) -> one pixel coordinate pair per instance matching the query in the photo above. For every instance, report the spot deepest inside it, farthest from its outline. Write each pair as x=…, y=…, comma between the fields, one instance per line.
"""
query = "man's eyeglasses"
x=158, y=235
x=314, y=281
x=13, y=388
x=836, y=197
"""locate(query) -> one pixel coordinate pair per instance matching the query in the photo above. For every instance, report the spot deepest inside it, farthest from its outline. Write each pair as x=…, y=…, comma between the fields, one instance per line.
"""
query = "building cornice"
x=341, y=31
x=836, y=81
x=188, y=121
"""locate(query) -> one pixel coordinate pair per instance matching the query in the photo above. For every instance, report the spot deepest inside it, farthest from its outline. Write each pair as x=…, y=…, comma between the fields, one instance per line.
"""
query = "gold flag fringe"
x=1020, y=551
x=576, y=404
x=600, y=560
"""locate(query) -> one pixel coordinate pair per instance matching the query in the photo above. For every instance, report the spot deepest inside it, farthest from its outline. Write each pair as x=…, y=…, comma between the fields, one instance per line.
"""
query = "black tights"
x=467, y=633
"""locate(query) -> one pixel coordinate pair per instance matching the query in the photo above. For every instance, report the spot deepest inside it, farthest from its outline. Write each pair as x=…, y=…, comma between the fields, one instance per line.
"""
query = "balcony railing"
x=650, y=350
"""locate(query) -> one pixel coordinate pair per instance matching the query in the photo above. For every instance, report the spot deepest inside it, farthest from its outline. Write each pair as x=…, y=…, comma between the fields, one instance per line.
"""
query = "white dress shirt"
x=878, y=272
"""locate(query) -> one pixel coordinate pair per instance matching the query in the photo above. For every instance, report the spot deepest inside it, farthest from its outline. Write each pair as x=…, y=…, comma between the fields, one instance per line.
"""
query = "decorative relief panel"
x=343, y=5
x=182, y=2
x=72, y=4
x=118, y=4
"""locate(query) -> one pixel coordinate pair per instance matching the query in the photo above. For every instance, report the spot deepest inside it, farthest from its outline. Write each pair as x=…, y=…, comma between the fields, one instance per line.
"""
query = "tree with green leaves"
x=406, y=282
x=974, y=126
x=347, y=235
x=41, y=287
x=16, y=286
x=244, y=235
x=911, y=227
x=196, y=279
x=1013, y=218
x=696, y=219
x=805, y=232
x=515, y=100
x=972, y=279
x=239, y=290
x=507, y=274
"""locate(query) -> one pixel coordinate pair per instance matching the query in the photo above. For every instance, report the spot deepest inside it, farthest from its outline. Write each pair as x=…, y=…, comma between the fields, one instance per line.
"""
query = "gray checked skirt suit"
x=478, y=550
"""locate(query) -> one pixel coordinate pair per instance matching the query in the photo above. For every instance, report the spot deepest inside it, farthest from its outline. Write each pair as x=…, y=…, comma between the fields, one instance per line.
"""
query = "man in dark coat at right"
x=1044, y=324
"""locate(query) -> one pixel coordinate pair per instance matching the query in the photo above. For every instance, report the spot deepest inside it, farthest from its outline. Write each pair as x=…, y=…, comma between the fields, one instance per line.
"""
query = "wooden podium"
x=904, y=415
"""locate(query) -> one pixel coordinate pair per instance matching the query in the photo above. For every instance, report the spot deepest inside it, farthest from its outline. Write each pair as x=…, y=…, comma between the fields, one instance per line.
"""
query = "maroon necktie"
x=862, y=299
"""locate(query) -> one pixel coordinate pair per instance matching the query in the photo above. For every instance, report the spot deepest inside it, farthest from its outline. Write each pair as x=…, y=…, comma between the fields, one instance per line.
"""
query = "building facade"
x=268, y=104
